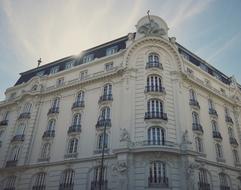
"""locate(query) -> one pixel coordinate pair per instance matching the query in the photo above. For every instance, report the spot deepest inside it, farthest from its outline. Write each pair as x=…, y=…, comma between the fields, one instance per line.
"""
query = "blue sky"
x=58, y=28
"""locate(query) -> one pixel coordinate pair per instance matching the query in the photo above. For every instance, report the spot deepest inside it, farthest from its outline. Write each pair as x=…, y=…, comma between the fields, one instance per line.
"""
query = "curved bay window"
x=224, y=182
x=153, y=61
x=156, y=136
x=203, y=180
x=67, y=180
x=158, y=175
x=154, y=84
x=104, y=118
x=155, y=110
x=39, y=181
x=79, y=102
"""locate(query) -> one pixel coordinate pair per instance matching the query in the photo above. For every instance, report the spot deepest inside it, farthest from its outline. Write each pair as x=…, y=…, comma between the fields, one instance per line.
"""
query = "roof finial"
x=39, y=62
x=148, y=13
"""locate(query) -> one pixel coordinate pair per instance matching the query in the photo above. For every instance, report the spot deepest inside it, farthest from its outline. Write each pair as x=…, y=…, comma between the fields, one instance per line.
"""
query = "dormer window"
x=111, y=50
x=54, y=70
x=88, y=58
x=69, y=65
x=40, y=73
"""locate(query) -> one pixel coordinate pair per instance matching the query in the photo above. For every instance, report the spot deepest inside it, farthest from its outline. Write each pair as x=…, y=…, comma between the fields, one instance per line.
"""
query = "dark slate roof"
x=100, y=51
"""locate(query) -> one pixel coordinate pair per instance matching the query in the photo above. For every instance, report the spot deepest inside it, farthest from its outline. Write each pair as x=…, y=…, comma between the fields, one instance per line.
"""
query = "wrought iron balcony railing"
x=217, y=135
x=17, y=138
x=103, y=122
x=53, y=110
x=66, y=186
x=49, y=134
x=194, y=103
x=156, y=115
x=25, y=115
x=197, y=127
x=74, y=129
x=105, y=97
x=95, y=185
x=213, y=112
x=153, y=64
x=158, y=182
x=11, y=163
x=153, y=88
x=78, y=104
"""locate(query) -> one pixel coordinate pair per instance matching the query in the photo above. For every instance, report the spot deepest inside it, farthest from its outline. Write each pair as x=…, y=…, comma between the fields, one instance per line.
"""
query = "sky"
x=58, y=28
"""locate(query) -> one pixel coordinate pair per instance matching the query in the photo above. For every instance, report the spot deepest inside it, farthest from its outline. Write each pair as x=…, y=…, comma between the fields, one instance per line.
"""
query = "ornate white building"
x=173, y=120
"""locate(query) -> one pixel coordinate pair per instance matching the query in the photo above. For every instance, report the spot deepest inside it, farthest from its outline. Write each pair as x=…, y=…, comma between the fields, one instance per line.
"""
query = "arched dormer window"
x=153, y=61
x=67, y=179
x=156, y=136
x=154, y=84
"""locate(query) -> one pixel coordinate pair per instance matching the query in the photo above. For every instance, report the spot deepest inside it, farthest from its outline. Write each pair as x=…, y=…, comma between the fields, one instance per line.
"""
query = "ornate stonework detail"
x=124, y=135
x=190, y=174
x=185, y=138
x=151, y=28
x=120, y=167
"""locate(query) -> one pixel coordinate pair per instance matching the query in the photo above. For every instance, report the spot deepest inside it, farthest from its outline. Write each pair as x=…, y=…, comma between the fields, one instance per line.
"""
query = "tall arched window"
x=67, y=180
x=203, y=181
x=155, y=107
x=73, y=146
x=156, y=136
x=14, y=153
x=10, y=182
x=224, y=181
x=80, y=96
x=195, y=118
x=45, y=151
x=20, y=129
x=105, y=113
x=199, y=144
x=158, y=174
x=77, y=119
x=55, y=104
x=107, y=90
x=219, y=150
x=153, y=58
x=39, y=181
x=102, y=140
x=95, y=183
x=154, y=83
x=192, y=95
x=51, y=125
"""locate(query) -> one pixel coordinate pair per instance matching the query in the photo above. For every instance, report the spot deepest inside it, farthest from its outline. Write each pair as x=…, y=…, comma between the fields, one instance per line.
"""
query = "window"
x=40, y=73
x=156, y=136
x=27, y=108
x=102, y=140
x=77, y=119
x=226, y=111
x=210, y=104
x=80, y=96
x=235, y=156
x=107, y=89
x=72, y=146
x=14, y=153
x=39, y=181
x=154, y=82
x=155, y=106
x=10, y=183
x=219, y=151
x=51, y=125
x=45, y=151
x=20, y=129
x=55, y=103
x=153, y=58
x=67, y=179
x=88, y=58
x=203, y=179
x=111, y=50
x=54, y=70
x=108, y=66
x=192, y=94
x=158, y=174
x=83, y=75
x=195, y=118
x=214, y=126
x=69, y=65
x=230, y=132
x=224, y=182
x=60, y=82
x=105, y=113
x=96, y=178
x=199, y=144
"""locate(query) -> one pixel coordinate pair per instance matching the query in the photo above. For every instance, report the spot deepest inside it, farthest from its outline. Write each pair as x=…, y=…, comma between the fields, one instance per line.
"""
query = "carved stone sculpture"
x=151, y=28
x=124, y=135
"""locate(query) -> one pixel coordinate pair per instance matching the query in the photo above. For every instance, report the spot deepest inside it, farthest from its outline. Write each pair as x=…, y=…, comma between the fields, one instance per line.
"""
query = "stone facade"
x=170, y=123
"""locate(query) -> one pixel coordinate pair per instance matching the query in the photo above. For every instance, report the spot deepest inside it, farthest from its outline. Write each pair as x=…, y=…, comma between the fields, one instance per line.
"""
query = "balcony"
x=154, y=64
x=213, y=112
x=156, y=115
x=48, y=134
x=53, y=110
x=229, y=120
x=95, y=185
x=155, y=89
x=4, y=122
x=194, y=103
x=217, y=135
x=38, y=187
x=74, y=129
x=158, y=182
x=203, y=186
x=78, y=105
x=196, y=127
x=71, y=155
x=233, y=141
x=17, y=138
x=105, y=98
x=101, y=123
x=11, y=163
x=224, y=187
x=99, y=151
x=66, y=186
x=24, y=115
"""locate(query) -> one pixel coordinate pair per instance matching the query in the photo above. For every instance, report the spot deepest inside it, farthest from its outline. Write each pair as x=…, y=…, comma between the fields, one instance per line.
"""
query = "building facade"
x=172, y=120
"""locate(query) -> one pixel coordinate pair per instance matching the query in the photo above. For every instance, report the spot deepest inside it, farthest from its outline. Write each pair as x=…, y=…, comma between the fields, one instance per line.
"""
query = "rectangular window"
x=88, y=58
x=111, y=50
x=60, y=82
x=108, y=66
x=83, y=75
x=54, y=70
